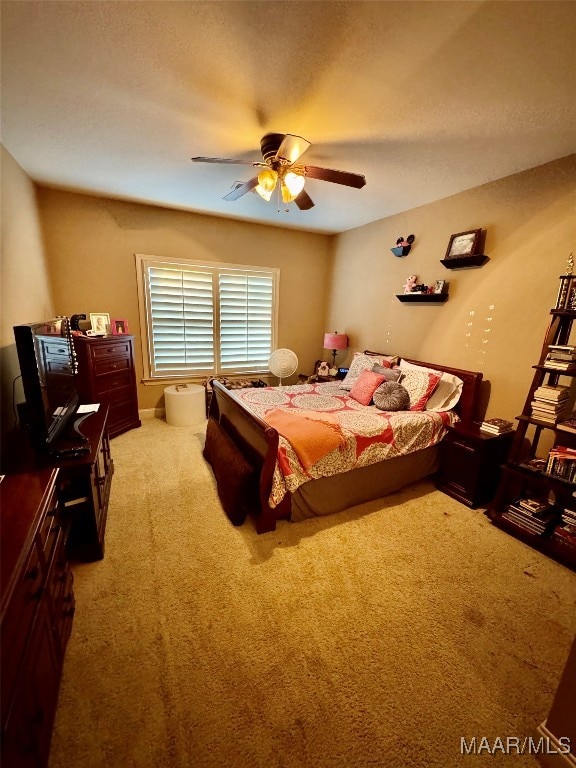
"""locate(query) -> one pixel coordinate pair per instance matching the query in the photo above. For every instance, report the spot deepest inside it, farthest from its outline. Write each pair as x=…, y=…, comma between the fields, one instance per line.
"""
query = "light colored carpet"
x=376, y=637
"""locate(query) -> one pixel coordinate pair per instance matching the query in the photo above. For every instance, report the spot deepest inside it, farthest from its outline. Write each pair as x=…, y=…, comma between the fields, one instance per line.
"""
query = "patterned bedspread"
x=370, y=435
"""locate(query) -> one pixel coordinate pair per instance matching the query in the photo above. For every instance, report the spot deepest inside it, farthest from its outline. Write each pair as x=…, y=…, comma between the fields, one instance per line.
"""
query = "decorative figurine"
x=570, y=265
x=410, y=283
x=402, y=247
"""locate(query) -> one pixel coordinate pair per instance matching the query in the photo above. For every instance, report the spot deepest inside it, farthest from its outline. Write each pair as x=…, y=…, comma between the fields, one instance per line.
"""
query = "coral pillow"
x=447, y=393
x=420, y=385
x=365, y=386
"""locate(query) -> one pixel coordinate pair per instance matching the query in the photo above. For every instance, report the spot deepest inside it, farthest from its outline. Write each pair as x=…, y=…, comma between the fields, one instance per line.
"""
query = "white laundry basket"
x=185, y=404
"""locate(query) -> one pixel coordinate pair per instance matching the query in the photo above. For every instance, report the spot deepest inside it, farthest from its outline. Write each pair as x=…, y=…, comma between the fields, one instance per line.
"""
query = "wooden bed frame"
x=251, y=447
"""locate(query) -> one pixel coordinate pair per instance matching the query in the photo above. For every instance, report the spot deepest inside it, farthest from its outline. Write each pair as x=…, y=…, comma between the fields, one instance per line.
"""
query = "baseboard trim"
x=152, y=413
x=554, y=759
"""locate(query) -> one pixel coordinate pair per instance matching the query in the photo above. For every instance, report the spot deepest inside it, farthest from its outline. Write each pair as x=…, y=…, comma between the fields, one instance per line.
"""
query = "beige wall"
x=25, y=292
x=493, y=321
x=496, y=316
x=91, y=244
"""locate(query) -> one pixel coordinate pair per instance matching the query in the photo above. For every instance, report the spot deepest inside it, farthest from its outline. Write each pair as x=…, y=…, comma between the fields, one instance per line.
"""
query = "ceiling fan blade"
x=304, y=201
x=336, y=177
x=226, y=160
x=291, y=148
x=241, y=189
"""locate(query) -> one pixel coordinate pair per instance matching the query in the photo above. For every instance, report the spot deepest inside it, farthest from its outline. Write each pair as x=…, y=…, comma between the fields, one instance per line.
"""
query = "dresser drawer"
x=112, y=382
x=17, y=624
x=56, y=347
x=112, y=365
x=117, y=349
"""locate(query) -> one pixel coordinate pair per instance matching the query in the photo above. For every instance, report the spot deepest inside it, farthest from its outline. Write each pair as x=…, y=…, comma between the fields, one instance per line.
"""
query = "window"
x=205, y=318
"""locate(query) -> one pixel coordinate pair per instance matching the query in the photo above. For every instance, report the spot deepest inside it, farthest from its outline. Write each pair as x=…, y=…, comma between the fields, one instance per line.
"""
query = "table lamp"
x=335, y=341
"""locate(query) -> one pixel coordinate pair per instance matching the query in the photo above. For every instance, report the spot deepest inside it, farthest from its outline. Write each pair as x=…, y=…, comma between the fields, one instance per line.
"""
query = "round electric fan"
x=282, y=363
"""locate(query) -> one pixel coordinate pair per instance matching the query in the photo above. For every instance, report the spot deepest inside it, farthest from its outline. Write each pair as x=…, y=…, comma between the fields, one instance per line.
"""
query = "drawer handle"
x=458, y=444
x=37, y=594
x=32, y=574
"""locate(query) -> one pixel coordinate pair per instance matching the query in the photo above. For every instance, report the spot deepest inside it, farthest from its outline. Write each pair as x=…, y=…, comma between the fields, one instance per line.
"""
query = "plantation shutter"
x=206, y=319
x=246, y=320
x=181, y=327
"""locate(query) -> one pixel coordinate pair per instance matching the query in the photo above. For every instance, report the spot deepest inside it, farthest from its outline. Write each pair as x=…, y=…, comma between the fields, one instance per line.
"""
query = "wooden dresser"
x=37, y=612
x=106, y=374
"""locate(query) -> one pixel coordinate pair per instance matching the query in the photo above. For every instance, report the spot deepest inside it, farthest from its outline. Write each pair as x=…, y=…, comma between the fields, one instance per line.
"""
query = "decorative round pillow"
x=391, y=396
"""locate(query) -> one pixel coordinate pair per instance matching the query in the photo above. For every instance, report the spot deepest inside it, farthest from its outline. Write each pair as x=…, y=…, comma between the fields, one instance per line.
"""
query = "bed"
x=260, y=474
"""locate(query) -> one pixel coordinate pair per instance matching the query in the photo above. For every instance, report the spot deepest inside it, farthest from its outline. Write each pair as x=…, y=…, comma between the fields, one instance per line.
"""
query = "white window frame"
x=143, y=262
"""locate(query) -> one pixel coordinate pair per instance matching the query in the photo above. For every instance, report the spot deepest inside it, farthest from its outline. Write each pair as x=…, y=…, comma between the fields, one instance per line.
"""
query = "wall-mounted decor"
x=419, y=292
x=100, y=322
x=464, y=244
x=422, y=298
x=402, y=247
x=465, y=250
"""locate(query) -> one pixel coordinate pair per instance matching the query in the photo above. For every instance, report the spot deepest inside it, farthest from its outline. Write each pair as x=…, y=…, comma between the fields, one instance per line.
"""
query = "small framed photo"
x=119, y=327
x=464, y=244
x=439, y=286
x=100, y=322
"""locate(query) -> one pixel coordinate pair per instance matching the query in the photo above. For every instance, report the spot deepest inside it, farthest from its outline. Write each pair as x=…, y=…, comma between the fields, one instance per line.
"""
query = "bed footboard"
x=242, y=450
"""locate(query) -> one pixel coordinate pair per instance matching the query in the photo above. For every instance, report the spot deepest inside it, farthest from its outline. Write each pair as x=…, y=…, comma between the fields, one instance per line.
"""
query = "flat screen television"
x=48, y=367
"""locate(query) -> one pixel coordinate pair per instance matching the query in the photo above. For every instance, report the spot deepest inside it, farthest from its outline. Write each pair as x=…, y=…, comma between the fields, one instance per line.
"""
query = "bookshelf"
x=536, y=497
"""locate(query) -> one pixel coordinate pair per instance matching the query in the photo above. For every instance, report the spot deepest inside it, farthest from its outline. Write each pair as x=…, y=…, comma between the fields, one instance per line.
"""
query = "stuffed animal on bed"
x=323, y=369
x=410, y=283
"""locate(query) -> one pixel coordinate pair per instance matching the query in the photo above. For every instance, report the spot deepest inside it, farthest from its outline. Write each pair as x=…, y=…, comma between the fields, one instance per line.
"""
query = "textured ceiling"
x=426, y=99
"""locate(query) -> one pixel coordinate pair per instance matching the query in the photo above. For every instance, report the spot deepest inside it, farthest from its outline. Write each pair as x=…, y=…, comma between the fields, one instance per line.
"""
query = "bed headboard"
x=468, y=405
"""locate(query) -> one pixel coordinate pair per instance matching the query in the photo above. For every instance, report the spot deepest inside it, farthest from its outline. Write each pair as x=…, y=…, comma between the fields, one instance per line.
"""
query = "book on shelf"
x=562, y=463
x=552, y=407
x=534, y=522
x=549, y=418
x=569, y=518
x=566, y=533
x=535, y=465
x=568, y=425
x=560, y=365
x=566, y=350
x=551, y=393
x=496, y=426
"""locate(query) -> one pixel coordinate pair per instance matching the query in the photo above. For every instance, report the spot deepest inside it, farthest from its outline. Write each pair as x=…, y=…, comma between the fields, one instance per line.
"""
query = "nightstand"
x=470, y=463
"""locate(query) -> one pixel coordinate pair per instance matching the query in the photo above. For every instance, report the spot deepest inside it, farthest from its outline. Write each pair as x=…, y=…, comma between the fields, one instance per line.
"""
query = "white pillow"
x=361, y=362
x=447, y=392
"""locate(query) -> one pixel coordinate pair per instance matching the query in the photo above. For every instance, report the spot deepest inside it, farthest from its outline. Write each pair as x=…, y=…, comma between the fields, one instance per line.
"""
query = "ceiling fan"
x=280, y=170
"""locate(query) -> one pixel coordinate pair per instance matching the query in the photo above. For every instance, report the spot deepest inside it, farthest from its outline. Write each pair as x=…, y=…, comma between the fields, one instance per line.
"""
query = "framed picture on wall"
x=100, y=322
x=464, y=244
x=119, y=327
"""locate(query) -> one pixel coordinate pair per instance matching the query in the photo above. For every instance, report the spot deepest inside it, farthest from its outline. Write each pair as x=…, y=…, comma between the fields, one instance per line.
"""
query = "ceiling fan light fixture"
x=294, y=182
x=266, y=183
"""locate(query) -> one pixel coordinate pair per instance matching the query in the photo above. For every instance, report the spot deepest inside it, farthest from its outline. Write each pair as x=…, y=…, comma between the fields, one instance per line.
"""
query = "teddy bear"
x=410, y=283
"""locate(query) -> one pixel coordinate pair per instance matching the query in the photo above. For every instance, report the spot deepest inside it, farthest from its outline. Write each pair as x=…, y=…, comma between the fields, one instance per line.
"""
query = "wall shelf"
x=461, y=262
x=422, y=298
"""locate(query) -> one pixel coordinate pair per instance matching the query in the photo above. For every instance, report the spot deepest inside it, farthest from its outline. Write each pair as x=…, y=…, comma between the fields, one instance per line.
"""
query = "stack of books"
x=561, y=357
x=569, y=424
x=567, y=528
x=496, y=426
x=562, y=463
x=531, y=515
x=549, y=403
